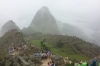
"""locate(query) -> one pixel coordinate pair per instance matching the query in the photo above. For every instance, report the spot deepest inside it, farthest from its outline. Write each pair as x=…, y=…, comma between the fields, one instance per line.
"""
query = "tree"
x=43, y=45
x=59, y=44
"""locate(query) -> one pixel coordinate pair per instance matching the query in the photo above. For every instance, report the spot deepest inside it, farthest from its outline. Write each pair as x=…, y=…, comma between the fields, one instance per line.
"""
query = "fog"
x=82, y=13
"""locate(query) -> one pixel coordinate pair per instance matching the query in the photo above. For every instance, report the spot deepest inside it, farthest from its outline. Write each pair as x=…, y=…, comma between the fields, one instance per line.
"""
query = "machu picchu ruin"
x=49, y=33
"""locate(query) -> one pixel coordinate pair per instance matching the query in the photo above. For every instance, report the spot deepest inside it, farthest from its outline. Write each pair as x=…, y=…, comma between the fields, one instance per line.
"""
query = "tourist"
x=11, y=49
x=49, y=55
x=45, y=55
x=87, y=63
x=99, y=64
x=84, y=64
x=23, y=47
x=42, y=55
x=79, y=64
x=93, y=63
x=16, y=48
x=52, y=63
x=48, y=63
x=75, y=64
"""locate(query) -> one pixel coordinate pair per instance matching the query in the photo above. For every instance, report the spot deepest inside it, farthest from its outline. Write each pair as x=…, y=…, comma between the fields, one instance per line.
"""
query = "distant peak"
x=44, y=9
x=10, y=21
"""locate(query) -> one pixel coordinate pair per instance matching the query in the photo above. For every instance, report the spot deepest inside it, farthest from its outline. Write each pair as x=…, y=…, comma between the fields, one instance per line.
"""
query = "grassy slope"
x=71, y=55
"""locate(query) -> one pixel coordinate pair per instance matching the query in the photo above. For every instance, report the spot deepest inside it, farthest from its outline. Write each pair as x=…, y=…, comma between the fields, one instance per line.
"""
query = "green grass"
x=71, y=55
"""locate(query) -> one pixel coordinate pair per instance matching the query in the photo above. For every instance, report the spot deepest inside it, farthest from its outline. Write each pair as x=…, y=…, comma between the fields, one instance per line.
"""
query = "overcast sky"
x=83, y=13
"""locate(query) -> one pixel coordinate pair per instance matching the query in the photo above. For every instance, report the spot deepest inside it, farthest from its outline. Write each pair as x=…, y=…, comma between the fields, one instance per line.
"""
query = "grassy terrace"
x=71, y=54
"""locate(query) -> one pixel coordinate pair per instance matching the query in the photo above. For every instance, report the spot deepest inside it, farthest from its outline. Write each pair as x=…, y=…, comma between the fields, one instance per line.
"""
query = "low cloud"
x=82, y=13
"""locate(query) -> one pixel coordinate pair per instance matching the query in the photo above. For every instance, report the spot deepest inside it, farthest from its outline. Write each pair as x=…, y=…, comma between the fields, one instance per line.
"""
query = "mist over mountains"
x=45, y=22
x=72, y=30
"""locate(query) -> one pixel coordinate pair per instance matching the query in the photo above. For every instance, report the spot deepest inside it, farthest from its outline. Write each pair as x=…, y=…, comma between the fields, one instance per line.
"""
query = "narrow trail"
x=14, y=53
x=45, y=62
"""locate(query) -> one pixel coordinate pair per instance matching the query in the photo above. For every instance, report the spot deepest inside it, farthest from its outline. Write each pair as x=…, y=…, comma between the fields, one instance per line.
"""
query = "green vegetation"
x=59, y=44
x=58, y=51
x=43, y=46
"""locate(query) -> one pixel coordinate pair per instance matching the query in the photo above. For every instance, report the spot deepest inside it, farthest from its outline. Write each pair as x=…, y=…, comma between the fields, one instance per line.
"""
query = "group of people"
x=82, y=64
x=16, y=48
x=43, y=54
x=13, y=30
x=51, y=63
x=46, y=54
x=86, y=64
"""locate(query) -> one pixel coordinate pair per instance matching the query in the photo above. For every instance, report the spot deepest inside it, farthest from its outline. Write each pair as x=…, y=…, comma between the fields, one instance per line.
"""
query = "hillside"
x=12, y=37
x=73, y=46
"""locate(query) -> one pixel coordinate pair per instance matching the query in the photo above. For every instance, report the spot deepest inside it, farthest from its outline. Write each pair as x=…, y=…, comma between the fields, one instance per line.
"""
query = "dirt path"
x=45, y=62
x=14, y=53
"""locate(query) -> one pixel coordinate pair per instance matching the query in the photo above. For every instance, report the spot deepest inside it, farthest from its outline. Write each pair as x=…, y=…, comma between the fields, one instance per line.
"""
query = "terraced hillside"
x=71, y=54
x=73, y=47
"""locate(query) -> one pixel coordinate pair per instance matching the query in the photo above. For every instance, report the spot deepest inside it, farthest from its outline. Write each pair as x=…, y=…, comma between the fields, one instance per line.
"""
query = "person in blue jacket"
x=93, y=63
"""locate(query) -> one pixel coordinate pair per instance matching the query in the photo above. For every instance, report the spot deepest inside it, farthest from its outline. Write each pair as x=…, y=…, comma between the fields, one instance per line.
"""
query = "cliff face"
x=8, y=26
x=44, y=22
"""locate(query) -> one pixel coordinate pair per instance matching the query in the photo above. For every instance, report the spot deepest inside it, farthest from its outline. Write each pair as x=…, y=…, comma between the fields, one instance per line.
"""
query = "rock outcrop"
x=8, y=39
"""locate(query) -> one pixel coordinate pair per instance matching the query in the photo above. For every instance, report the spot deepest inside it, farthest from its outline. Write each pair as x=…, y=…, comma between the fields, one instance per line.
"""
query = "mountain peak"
x=9, y=25
x=44, y=22
x=44, y=9
x=10, y=21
